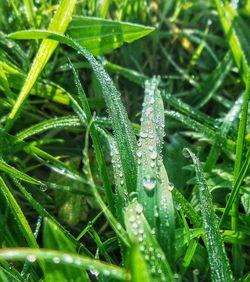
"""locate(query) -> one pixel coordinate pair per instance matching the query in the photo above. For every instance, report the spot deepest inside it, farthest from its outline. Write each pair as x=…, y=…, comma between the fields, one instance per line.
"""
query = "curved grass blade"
x=69, y=259
x=188, y=110
x=211, y=134
x=54, y=123
x=59, y=24
x=140, y=234
x=100, y=35
x=123, y=131
x=219, y=263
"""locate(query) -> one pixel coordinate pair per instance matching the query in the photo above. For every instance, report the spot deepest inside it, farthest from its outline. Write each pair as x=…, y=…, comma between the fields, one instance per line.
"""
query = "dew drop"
x=149, y=183
x=132, y=218
x=144, y=135
x=170, y=186
x=68, y=258
x=139, y=154
x=153, y=155
x=56, y=259
x=31, y=258
x=139, y=208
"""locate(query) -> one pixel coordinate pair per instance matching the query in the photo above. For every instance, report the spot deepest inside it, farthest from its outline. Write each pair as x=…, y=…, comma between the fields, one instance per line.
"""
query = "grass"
x=124, y=140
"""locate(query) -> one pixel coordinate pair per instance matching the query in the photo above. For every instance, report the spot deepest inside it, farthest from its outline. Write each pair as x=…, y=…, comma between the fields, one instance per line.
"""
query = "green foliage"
x=94, y=183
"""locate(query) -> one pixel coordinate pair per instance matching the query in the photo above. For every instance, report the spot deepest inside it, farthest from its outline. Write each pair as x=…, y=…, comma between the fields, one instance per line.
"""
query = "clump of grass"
x=107, y=196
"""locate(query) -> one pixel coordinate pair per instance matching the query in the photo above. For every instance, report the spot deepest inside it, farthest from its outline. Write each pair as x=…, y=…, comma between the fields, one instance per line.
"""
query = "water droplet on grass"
x=31, y=258
x=170, y=186
x=56, y=259
x=149, y=183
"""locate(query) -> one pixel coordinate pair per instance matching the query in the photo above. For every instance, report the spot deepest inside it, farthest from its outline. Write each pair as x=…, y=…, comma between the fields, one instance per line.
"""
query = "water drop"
x=144, y=135
x=31, y=258
x=139, y=154
x=68, y=258
x=139, y=208
x=106, y=272
x=132, y=218
x=149, y=183
x=153, y=155
x=170, y=186
x=56, y=259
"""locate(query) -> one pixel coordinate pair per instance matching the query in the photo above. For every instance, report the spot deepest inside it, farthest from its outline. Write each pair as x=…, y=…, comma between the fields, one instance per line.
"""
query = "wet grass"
x=124, y=141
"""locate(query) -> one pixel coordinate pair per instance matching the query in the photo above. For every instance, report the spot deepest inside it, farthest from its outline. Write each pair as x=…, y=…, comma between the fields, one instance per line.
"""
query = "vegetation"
x=124, y=140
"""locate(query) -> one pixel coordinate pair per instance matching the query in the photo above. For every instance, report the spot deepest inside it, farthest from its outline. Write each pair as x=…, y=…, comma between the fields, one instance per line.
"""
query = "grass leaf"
x=69, y=259
x=59, y=24
x=219, y=264
x=100, y=35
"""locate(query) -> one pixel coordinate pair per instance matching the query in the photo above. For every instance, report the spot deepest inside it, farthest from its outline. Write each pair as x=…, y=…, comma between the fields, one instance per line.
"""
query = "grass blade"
x=100, y=35
x=154, y=189
x=219, y=264
x=18, y=214
x=96, y=142
x=69, y=259
x=19, y=174
x=141, y=235
x=58, y=24
x=237, y=35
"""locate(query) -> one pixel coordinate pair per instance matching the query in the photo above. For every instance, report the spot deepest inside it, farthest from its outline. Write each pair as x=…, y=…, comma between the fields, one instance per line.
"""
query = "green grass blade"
x=30, y=12
x=69, y=259
x=186, y=208
x=188, y=110
x=54, y=123
x=18, y=174
x=54, y=238
x=99, y=36
x=58, y=24
x=140, y=234
x=18, y=214
x=219, y=264
x=149, y=150
x=54, y=163
x=236, y=187
x=237, y=166
x=227, y=124
x=123, y=131
x=153, y=187
x=206, y=131
x=237, y=35
x=96, y=142
x=137, y=266
x=212, y=83
x=121, y=199
x=6, y=276
x=117, y=227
